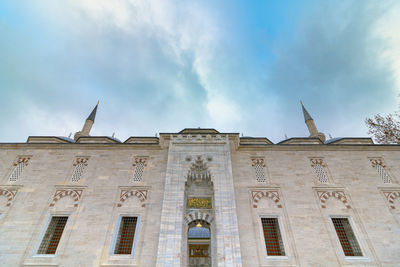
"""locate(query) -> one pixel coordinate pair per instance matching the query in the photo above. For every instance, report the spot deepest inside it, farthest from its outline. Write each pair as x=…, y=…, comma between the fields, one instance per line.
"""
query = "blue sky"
x=161, y=66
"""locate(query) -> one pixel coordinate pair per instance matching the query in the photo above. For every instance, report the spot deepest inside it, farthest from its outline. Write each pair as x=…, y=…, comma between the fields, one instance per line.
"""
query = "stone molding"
x=255, y=161
x=22, y=159
x=198, y=215
x=127, y=192
x=316, y=161
x=339, y=194
x=377, y=161
x=140, y=160
x=199, y=139
x=390, y=196
x=73, y=192
x=9, y=193
x=79, y=160
x=257, y=194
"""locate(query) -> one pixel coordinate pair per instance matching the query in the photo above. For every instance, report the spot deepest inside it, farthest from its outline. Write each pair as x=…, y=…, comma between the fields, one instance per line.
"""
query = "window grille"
x=53, y=234
x=259, y=165
x=17, y=172
x=260, y=176
x=80, y=164
x=346, y=237
x=272, y=237
x=126, y=235
x=19, y=164
x=138, y=173
x=382, y=172
x=321, y=174
x=78, y=171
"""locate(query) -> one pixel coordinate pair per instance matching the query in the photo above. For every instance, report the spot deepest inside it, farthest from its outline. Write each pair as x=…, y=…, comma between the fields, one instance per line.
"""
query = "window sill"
x=277, y=258
x=356, y=258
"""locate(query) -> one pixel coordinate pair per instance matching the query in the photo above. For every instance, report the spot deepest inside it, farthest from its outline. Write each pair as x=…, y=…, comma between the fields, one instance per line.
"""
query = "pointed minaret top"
x=92, y=115
x=305, y=112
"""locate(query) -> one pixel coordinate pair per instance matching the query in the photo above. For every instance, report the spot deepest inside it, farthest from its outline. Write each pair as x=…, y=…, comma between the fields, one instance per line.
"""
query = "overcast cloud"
x=160, y=66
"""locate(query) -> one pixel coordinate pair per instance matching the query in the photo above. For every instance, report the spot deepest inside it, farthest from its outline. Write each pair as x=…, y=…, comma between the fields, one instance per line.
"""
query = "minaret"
x=88, y=124
x=311, y=125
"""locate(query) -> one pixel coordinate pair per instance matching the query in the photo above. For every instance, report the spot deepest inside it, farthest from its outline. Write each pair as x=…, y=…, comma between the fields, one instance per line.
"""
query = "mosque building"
x=199, y=197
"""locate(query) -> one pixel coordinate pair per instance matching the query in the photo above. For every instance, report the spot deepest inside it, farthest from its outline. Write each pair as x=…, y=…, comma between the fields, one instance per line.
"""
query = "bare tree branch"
x=385, y=130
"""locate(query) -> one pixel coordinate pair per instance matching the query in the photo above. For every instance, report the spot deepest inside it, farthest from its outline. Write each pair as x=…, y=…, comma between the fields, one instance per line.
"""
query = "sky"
x=161, y=66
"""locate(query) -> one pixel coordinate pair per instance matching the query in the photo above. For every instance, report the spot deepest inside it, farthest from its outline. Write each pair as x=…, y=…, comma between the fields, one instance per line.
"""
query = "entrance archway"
x=199, y=243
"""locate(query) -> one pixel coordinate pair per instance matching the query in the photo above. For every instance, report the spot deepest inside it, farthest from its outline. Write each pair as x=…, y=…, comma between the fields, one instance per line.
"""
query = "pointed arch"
x=73, y=193
x=339, y=195
x=272, y=194
x=391, y=197
x=9, y=194
x=198, y=215
x=125, y=194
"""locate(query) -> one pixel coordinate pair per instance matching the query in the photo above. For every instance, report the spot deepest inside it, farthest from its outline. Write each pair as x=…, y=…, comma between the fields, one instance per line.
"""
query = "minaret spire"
x=92, y=115
x=88, y=124
x=311, y=125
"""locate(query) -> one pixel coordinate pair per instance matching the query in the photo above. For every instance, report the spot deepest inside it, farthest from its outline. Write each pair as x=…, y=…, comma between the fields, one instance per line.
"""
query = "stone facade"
x=96, y=180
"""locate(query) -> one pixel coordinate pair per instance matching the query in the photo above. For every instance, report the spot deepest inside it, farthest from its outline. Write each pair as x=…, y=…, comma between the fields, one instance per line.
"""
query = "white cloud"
x=387, y=28
x=182, y=27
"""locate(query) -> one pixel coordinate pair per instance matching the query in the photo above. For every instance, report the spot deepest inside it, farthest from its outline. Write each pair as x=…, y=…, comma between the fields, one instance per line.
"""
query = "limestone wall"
x=310, y=239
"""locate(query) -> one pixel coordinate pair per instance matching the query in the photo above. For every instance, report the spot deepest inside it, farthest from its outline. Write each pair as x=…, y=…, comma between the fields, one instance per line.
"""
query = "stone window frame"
x=283, y=236
x=380, y=161
x=357, y=233
x=321, y=161
x=276, y=199
x=61, y=244
x=108, y=258
x=113, y=243
x=144, y=160
x=19, y=159
x=254, y=160
x=75, y=163
x=344, y=210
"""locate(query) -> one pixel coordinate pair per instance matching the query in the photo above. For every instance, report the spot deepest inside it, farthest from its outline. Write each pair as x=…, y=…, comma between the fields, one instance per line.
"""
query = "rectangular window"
x=272, y=237
x=346, y=237
x=52, y=237
x=126, y=235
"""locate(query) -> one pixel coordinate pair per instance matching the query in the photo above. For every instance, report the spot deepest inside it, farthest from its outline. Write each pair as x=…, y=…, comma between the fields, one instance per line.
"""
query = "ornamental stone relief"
x=199, y=173
x=273, y=194
x=208, y=138
x=391, y=196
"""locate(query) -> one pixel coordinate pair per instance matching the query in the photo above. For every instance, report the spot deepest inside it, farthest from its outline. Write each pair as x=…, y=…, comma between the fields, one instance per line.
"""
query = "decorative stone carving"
x=391, y=196
x=76, y=194
x=273, y=194
x=22, y=160
x=324, y=195
x=255, y=161
x=141, y=194
x=9, y=193
x=81, y=160
x=198, y=215
x=199, y=173
x=377, y=161
x=317, y=161
x=142, y=160
x=190, y=139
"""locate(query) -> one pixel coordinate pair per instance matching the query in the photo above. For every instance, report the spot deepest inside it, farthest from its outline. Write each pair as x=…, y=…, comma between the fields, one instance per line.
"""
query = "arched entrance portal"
x=198, y=222
x=199, y=243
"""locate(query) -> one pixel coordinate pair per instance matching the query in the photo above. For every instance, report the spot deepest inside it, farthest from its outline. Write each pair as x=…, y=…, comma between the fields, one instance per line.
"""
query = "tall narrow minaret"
x=88, y=124
x=311, y=125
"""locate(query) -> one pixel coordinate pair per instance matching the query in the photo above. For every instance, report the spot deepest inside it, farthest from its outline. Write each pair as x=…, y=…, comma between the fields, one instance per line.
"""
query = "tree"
x=385, y=130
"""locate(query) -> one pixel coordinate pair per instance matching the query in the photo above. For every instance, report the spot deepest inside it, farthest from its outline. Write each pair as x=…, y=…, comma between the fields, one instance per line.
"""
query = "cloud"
x=152, y=58
x=160, y=66
x=335, y=64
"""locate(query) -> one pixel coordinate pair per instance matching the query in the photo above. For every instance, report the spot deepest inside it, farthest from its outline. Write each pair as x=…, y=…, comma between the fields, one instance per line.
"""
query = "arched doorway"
x=198, y=222
x=199, y=243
